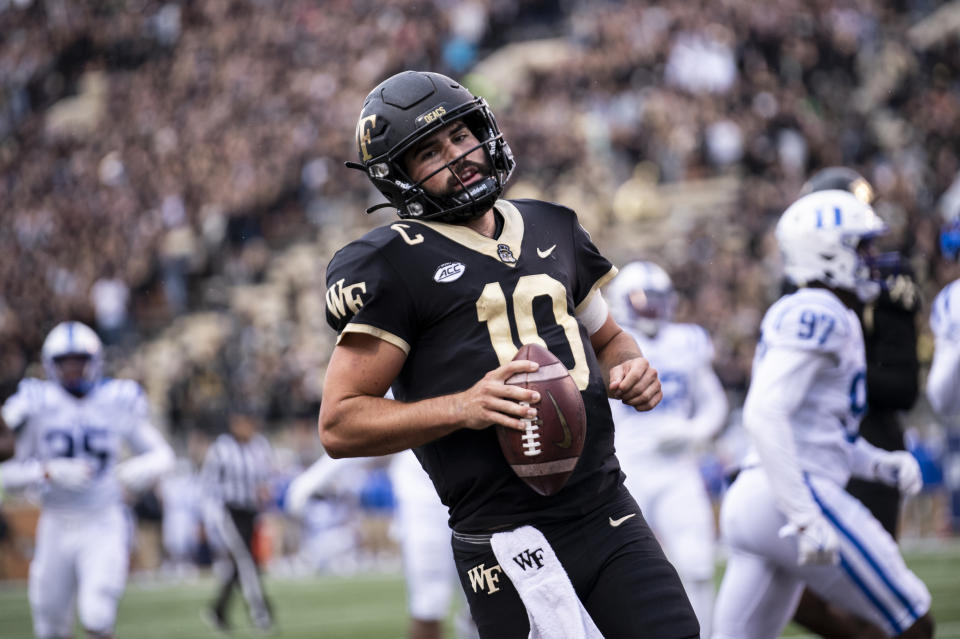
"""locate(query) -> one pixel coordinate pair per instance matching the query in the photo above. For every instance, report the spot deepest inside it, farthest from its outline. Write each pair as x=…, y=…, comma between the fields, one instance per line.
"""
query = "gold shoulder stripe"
x=596, y=286
x=354, y=327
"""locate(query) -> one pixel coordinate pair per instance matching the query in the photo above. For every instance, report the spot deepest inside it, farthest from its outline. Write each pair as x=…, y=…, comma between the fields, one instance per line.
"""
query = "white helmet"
x=642, y=295
x=73, y=338
x=819, y=236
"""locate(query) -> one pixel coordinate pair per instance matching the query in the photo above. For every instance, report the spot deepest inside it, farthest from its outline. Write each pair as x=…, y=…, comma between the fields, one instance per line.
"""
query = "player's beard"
x=454, y=186
x=465, y=202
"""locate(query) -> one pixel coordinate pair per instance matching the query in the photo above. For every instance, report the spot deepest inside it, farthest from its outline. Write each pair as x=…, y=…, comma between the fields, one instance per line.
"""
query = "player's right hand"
x=900, y=469
x=817, y=542
x=492, y=401
x=65, y=472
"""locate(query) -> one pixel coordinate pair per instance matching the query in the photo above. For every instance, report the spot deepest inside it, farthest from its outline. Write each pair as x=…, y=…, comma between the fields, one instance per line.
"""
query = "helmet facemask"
x=463, y=202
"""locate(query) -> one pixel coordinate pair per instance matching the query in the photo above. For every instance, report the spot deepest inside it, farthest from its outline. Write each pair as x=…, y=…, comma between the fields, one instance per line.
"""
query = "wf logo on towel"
x=528, y=558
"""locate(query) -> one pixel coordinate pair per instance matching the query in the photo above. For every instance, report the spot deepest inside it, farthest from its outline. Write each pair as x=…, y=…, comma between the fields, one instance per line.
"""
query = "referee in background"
x=234, y=478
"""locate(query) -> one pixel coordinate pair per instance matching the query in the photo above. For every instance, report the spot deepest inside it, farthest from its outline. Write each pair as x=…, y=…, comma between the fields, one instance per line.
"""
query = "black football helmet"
x=839, y=178
x=408, y=107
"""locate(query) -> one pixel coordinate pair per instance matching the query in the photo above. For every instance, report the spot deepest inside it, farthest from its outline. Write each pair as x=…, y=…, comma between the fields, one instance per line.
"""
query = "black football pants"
x=619, y=572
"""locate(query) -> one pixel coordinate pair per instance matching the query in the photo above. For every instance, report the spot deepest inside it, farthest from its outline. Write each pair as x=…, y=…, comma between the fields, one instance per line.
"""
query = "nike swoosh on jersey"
x=617, y=522
x=547, y=252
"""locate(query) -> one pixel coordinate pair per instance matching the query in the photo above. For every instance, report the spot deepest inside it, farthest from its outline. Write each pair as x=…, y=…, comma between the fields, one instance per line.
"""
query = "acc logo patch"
x=449, y=272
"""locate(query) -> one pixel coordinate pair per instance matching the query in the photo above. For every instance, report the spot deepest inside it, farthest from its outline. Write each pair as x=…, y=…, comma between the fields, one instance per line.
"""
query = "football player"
x=71, y=430
x=944, y=377
x=421, y=523
x=786, y=519
x=659, y=449
x=436, y=305
x=890, y=337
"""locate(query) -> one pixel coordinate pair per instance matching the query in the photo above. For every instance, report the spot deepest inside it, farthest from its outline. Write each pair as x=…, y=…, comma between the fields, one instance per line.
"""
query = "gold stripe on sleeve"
x=354, y=327
x=596, y=286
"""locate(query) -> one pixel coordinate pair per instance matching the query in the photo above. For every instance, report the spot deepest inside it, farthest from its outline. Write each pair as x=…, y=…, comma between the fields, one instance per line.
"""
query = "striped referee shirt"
x=233, y=471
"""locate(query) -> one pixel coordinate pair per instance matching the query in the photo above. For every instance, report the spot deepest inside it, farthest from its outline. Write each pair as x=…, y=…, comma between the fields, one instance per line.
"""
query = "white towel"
x=554, y=610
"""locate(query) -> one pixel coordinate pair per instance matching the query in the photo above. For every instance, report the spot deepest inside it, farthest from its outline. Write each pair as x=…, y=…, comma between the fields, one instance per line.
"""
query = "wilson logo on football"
x=449, y=272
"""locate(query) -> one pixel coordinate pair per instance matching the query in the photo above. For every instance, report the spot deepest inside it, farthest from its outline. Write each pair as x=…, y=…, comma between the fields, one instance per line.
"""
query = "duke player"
x=71, y=430
x=421, y=520
x=658, y=449
x=944, y=378
x=787, y=519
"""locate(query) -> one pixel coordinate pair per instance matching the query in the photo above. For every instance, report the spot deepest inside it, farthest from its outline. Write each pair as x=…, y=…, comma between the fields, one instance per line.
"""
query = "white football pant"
x=82, y=555
x=763, y=583
x=421, y=526
x=675, y=504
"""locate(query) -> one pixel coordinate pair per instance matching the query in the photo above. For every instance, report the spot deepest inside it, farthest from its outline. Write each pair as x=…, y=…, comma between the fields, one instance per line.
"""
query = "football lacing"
x=531, y=437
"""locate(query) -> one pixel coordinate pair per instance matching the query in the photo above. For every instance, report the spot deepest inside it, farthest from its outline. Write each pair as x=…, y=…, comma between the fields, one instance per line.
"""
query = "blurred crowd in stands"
x=172, y=172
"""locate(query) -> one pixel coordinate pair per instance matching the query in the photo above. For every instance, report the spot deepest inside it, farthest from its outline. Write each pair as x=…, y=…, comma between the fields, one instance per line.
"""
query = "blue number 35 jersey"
x=51, y=423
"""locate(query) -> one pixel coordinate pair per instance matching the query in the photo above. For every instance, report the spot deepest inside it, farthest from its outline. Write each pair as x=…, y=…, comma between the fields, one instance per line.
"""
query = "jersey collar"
x=505, y=249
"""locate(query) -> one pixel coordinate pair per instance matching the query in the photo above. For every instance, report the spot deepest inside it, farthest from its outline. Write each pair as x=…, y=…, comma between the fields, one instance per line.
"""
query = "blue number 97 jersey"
x=828, y=416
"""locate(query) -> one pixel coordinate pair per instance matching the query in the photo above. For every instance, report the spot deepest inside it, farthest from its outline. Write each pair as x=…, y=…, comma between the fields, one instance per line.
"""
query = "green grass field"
x=371, y=606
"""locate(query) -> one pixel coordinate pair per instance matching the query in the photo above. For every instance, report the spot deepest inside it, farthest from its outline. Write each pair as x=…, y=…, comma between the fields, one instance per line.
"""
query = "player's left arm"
x=710, y=404
x=152, y=455
x=627, y=373
x=944, y=377
x=154, y=459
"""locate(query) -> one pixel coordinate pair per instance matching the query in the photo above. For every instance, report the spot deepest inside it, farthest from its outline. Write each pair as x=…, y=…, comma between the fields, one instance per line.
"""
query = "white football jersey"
x=944, y=376
x=827, y=421
x=945, y=313
x=51, y=423
x=682, y=354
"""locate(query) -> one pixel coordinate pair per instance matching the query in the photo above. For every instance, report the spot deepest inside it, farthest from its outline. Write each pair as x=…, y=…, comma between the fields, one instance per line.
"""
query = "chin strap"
x=377, y=207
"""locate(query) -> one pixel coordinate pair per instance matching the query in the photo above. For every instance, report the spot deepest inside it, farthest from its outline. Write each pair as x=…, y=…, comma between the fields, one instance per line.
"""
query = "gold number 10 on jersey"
x=492, y=310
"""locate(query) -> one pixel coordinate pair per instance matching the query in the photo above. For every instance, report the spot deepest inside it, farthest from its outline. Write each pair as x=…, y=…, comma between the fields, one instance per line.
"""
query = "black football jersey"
x=461, y=304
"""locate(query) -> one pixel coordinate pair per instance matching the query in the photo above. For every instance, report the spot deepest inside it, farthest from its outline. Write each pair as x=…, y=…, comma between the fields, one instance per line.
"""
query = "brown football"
x=545, y=454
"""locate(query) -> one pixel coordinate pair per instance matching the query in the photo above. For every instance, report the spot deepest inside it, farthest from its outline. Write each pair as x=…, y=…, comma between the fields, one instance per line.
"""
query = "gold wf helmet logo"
x=364, y=128
x=340, y=298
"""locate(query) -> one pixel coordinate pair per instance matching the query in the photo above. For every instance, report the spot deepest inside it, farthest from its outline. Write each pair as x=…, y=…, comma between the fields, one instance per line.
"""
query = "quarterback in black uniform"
x=436, y=306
